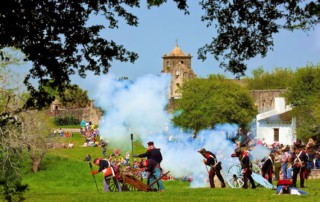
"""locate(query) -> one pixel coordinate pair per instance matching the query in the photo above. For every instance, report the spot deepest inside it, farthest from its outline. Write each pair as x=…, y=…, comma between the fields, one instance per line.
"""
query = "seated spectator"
x=61, y=133
x=70, y=145
x=90, y=143
x=54, y=133
x=127, y=158
x=85, y=144
x=87, y=158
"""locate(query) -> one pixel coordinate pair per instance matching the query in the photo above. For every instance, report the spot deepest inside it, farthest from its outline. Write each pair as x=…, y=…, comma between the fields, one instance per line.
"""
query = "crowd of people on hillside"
x=284, y=161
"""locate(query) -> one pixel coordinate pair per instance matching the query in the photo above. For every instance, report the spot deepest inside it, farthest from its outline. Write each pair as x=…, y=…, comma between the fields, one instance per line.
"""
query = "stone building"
x=274, y=122
x=265, y=99
x=88, y=113
x=179, y=66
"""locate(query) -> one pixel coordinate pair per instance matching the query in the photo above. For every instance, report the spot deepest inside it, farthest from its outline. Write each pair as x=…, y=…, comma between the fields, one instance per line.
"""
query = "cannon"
x=234, y=175
x=130, y=179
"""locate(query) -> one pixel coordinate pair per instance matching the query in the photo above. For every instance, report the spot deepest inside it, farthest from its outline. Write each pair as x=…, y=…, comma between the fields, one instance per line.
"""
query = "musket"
x=93, y=176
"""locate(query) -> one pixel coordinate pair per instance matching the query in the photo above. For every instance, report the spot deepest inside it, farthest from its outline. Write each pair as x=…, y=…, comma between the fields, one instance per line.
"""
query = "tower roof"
x=176, y=51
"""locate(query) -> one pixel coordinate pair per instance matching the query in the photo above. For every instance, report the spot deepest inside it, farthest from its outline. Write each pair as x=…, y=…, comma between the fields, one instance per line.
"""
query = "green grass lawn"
x=64, y=176
x=70, y=126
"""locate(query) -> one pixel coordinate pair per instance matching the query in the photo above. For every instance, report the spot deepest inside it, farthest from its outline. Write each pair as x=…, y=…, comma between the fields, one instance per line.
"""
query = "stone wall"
x=264, y=99
x=89, y=114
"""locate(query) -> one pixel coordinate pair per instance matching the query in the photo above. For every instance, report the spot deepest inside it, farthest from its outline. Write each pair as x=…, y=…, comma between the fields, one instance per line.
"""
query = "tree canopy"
x=304, y=95
x=278, y=78
x=11, y=102
x=57, y=38
x=37, y=139
x=246, y=27
x=71, y=97
x=207, y=102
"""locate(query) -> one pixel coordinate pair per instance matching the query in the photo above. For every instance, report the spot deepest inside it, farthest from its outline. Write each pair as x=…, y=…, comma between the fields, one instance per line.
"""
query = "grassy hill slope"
x=66, y=177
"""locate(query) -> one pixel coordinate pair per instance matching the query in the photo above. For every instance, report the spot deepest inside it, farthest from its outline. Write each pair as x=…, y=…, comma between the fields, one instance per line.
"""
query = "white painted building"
x=276, y=125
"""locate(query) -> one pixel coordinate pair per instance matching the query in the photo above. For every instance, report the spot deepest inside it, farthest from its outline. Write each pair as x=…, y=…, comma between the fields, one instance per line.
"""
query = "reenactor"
x=215, y=167
x=246, y=167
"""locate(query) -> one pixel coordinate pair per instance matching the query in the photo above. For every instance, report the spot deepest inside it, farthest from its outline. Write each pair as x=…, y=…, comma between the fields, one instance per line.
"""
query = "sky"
x=161, y=28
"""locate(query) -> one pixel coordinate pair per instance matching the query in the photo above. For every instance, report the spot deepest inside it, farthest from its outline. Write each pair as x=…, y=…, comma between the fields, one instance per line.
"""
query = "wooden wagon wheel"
x=124, y=186
x=112, y=185
x=127, y=186
x=234, y=176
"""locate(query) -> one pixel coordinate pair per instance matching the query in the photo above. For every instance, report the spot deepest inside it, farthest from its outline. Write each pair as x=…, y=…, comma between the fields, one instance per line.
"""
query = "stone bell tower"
x=179, y=66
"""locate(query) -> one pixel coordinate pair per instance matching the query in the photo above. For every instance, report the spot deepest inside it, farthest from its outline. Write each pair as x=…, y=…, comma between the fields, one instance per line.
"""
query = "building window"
x=276, y=134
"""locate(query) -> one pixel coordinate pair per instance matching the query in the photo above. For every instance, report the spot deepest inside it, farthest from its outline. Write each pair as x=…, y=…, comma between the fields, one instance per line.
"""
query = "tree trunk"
x=35, y=165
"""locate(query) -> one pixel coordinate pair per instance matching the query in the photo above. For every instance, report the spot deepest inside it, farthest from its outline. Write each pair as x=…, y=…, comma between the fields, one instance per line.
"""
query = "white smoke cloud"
x=140, y=108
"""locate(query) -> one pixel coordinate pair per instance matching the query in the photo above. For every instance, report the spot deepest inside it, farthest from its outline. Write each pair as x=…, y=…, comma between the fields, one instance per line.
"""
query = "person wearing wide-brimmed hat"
x=310, y=149
x=215, y=167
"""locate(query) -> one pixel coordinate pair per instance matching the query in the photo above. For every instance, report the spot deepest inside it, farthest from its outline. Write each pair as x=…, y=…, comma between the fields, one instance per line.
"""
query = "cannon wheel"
x=234, y=176
x=112, y=185
x=124, y=185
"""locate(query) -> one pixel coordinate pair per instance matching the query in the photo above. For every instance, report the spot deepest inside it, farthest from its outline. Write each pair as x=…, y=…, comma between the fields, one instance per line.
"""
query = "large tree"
x=278, y=78
x=57, y=38
x=71, y=97
x=11, y=187
x=207, y=102
x=36, y=135
x=304, y=95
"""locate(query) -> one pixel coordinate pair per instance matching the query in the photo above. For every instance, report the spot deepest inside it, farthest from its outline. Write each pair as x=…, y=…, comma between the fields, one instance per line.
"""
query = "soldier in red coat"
x=246, y=167
x=267, y=168
x=215, y=167
x=299, y=165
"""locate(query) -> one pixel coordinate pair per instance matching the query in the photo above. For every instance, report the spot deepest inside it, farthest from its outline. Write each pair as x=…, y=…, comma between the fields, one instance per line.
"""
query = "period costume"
x=154, y=170
x=154, y=154
x=267, y=168
x=246, y=167
x=215, y=167
x=151, y=153
x=108, y=172
x=299, y=166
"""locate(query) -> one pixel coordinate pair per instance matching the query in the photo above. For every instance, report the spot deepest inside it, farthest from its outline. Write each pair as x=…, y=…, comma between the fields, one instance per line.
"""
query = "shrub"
x=66, y=120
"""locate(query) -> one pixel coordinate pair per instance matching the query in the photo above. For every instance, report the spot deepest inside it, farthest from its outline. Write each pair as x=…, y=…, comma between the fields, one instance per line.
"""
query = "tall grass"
x=64, y=176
